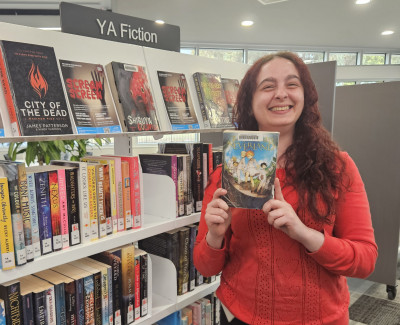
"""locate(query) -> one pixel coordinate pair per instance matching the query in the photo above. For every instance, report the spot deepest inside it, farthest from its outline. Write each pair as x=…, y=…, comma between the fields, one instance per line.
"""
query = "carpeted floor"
x=370, y=305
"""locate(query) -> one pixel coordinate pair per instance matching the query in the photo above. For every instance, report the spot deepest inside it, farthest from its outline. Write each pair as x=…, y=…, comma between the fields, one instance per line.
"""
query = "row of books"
x=107, y=288
x=86, y=97
x=205, y=311
x=49, y=208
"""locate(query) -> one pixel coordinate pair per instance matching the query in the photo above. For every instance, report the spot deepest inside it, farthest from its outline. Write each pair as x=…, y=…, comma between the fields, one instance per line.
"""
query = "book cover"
x=144, y=292
x=33, y=90
x=89, y=97
x=10, y=293
x=72, y=195
x=192, y=269
x=131, y=91
x=161, y=164
x=10, y=170
x=6, y=231
x=177, y=99
x=183, y=270
x=137, y=285
x=231, y=88
x=30, y=178
x=213, y=106
x=217, y=159
x=128, y=268
x=2, y=313
x=249, y=165
x=126, y=195
x=55, y=210
x=27, y=304
x=92, y=185
x=101, y=201
x=62, y=196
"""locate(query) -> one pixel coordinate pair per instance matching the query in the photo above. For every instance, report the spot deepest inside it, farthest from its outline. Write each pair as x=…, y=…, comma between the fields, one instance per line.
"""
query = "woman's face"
x=278, y=100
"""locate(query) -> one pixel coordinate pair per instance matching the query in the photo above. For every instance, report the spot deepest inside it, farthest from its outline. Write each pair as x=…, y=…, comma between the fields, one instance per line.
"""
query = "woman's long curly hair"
x=312, y=162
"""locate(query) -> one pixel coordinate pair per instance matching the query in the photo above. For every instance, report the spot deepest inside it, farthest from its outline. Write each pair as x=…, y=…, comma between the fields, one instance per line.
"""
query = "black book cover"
x=144, y=294
x=10, y=293
x=36, y=88
x=183, y=271
x=71, y=180
x=192, y=269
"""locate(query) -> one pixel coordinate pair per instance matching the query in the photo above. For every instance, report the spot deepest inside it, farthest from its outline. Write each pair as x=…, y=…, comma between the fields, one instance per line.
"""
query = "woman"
x=287, y=263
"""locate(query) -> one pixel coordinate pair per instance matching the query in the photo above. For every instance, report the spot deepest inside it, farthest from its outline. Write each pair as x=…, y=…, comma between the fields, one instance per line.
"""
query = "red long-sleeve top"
x=269, y=278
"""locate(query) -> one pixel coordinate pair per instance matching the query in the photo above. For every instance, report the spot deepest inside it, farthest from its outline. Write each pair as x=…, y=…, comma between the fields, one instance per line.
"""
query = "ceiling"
x=315, y=24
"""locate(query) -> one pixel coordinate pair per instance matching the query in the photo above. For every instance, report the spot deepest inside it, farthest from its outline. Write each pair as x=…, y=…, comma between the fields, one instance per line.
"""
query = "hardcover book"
x=132, y=95
x=178, y=103
x=89, y=97
x=33, y=90
x=249, y=166
x=231, y=88
x=6, y=231
x=213, y=106
x=10, y=293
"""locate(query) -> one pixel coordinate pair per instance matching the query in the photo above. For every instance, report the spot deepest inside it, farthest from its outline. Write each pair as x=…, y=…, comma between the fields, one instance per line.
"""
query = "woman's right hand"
x=218, y=219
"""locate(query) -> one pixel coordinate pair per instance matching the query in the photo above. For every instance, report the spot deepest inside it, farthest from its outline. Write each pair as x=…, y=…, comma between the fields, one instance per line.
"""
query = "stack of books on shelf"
x=50, y=208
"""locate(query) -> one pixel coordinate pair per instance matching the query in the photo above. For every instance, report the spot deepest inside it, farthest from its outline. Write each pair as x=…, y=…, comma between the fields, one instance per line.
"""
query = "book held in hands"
x=249, y=167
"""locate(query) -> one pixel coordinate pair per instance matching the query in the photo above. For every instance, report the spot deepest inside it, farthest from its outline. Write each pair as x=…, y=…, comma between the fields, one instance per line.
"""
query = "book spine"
x=192, y=269
x=197, y=178
x=71, y=179
x=59, y=293
x=51, y=306
x=174, y=176
x=39, y=303
x=197, y=82
x=113, y=198
x=17, y=222
x=101, y=201
x=104, y=297
x=94, y=226
x=137, y=286
x=84, y=210
x=128, y=283
x=137, y=206
x=70, y=303
x=55, y=210
x=110, y=296
x=25, y=213
x=181, y=191
x=210, y=159
x=98, y=319
x=126, y=190
x=189, y=207
x=15, y=129
x=144, y=294
x=205, y=165
x=27, y=309
x=6, y=231
x=62, y=194
x=80, y=302
x=88, y=298
x=183, y=271
x=107, y=198
x=30, y=177
x=11, y=294
x=119, y=197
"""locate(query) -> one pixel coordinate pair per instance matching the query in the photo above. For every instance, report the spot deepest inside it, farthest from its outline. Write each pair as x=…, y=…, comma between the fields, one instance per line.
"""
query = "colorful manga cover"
x=134, y=94
x=179, y=105
x=89, y=97
x=249, y=167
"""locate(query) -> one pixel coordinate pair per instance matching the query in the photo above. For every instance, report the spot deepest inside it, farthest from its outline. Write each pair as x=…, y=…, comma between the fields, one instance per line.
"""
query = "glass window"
x=223, y=54
x=369, y=82
x=343, y=58
x=345, y=83
x=373, y=58
x=395, y=59
x=254, y=55
x=184, y=137
x=188, y=50
x=311, y=57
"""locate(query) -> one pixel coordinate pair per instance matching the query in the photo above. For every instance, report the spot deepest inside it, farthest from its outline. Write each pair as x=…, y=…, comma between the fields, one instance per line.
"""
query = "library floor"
x=369, y=303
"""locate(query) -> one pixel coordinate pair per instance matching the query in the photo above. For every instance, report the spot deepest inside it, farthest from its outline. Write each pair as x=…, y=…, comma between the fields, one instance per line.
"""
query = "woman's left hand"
x=282, y=216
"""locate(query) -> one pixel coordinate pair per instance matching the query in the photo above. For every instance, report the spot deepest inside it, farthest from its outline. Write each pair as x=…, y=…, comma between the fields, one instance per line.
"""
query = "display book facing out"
x=249, y=167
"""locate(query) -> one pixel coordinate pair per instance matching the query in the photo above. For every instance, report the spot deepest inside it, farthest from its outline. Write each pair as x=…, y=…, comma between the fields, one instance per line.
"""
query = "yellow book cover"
x=128, y=282
x=6, y=234
x=94, y=225
x=101, y=200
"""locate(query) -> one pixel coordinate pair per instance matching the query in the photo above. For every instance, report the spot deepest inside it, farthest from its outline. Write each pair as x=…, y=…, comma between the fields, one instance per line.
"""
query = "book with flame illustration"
x=89, y=97
x=32, y=90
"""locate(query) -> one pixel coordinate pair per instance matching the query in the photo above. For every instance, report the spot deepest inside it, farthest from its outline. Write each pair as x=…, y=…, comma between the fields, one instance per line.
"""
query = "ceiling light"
x=362, y=2
x=159, y=21
x=247, y=23
x=387, y=32
x=51, y=28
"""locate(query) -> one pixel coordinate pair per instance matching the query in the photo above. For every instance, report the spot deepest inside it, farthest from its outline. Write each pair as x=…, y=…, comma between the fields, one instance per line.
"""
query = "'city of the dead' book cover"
x=89, y=97
x=249, y=167
x=131, y=90
x=33, y=90
x=179, y=105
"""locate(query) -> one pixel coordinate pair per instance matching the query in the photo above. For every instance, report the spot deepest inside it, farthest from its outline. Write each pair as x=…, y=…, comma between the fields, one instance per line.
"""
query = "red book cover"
x=55, y=210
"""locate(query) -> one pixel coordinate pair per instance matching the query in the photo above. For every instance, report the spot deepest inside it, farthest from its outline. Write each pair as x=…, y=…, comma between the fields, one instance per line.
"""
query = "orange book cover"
x=55, y=210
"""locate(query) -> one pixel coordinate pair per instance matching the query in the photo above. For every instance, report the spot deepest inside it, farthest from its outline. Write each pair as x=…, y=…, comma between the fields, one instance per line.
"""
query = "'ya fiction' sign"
x=81, y=20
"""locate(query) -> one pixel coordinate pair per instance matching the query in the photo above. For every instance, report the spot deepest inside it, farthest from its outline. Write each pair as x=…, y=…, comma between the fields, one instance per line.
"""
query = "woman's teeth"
x=284, y=108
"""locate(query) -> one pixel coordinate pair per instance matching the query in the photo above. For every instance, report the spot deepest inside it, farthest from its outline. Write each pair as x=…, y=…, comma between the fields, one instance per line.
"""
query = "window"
x=373, y=58
x=150, y=141
x=369, y=82
x=254, y=55
x=188, y=50
x=223, y=54
x=343, y=58
x=345, y=83
x=311, y=57
x=395, y=59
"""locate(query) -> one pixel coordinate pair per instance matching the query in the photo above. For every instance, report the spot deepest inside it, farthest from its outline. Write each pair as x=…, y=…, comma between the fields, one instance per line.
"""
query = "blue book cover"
x=173, y=319
x=88, y=296
x=30, y=177
x=59, y=292
x=2, y=313
x=43, y=207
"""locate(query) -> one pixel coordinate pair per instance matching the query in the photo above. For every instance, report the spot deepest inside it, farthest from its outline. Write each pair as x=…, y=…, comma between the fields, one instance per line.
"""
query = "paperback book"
x=132, y=95
x=249, y=167
x=89, y=97
x=33, y=90
x=178, y=103
x=231, y=88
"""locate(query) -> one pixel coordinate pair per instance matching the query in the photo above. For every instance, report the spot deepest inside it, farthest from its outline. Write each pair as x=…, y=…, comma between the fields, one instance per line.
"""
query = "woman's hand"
x=282, y=216
x=218, y=219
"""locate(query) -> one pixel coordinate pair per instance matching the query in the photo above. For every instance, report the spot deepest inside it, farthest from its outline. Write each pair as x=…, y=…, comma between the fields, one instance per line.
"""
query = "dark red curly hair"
x=312, y=162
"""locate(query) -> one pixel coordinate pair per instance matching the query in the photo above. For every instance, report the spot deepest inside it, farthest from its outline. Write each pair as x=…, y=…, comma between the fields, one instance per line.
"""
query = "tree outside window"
x=395, y=59
x=311, y=57
x=373, y=58
x=342, y=58
x=254, y=55
x=188, y=50
x=223, y=54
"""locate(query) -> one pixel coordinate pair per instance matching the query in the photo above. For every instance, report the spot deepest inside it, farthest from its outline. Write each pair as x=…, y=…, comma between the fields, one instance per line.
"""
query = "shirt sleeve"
x=208, y=260
x=349, y=248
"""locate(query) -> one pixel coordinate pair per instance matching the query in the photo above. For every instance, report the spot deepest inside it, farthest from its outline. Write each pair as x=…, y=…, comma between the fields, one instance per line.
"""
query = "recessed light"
x=247, y=23
x=362, y=2
x=159, y=21
x=387, y=32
